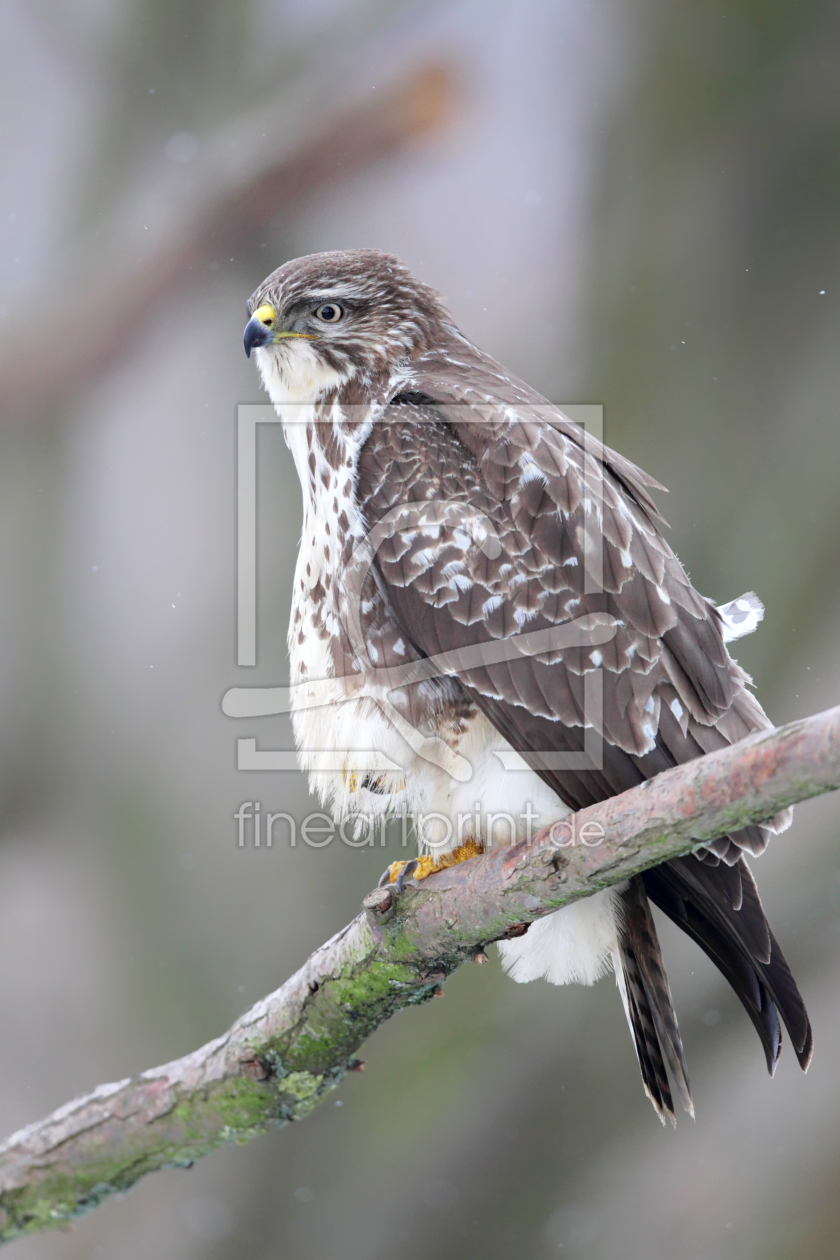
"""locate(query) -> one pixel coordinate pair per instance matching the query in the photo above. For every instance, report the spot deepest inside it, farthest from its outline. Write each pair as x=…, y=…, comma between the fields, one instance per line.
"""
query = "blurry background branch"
x=289, y=1050
x=91, y=327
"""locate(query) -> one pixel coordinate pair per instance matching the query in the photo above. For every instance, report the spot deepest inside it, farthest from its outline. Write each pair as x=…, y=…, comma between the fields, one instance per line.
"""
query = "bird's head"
x=320, y=321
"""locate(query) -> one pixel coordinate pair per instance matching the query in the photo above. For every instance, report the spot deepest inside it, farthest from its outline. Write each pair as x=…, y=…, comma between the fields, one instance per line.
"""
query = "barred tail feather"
x=648, y=1005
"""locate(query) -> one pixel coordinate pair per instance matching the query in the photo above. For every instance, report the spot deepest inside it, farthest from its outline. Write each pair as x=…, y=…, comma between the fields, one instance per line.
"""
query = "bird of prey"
x=470, y=562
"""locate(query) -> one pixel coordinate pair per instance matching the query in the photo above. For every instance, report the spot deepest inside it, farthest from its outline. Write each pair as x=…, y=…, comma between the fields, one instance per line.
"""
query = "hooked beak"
x=256, y=334
x=259, y=330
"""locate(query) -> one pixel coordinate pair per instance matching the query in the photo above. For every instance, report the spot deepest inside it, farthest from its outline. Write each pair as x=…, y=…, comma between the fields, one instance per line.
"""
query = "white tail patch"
x=740, y=616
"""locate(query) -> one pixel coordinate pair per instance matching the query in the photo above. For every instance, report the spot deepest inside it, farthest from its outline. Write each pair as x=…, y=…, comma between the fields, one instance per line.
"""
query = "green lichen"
x=304, y=1092
x=302, y=1085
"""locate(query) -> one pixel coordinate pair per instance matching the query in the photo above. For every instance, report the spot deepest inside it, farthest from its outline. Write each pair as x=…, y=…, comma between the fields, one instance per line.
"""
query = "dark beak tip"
x=256, y=334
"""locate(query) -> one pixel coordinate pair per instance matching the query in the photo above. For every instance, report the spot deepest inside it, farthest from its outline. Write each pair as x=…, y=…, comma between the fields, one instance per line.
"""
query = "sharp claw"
x=406, y=873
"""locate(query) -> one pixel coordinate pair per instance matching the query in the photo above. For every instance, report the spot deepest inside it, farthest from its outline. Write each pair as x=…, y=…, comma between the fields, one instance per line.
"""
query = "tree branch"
x=281, y=1057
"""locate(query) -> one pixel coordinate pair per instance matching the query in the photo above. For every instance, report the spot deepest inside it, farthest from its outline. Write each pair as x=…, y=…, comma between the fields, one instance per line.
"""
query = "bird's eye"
x=330, y=313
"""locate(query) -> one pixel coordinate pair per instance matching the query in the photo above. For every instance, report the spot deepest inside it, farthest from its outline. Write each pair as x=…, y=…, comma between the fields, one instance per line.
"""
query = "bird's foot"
x=421, y=868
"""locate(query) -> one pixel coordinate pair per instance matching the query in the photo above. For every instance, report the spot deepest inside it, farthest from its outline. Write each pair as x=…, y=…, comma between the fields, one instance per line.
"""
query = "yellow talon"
x=429, y=865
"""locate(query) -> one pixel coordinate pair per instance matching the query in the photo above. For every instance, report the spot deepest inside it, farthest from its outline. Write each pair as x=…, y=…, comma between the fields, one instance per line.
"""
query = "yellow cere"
x=265, y=314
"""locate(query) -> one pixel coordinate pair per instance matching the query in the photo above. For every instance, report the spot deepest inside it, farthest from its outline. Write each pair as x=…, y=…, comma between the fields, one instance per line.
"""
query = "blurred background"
x=629, y=202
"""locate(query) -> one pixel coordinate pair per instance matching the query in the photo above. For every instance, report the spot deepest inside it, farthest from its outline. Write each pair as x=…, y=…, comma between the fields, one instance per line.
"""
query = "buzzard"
x=488, y=624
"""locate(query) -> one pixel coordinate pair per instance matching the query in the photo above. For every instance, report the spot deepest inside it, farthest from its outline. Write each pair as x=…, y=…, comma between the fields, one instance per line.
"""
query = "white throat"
x=295, y=373
x=296, y=380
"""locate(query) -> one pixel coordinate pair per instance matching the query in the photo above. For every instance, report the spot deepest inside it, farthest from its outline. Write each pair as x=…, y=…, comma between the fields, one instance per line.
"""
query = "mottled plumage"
x=452, y=512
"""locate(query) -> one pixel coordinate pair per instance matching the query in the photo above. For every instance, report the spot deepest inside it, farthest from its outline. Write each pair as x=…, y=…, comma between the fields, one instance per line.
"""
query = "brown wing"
x=511, y=559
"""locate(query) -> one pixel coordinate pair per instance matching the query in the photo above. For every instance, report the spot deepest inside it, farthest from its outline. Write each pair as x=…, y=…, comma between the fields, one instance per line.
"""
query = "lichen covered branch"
x=282, y=1056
